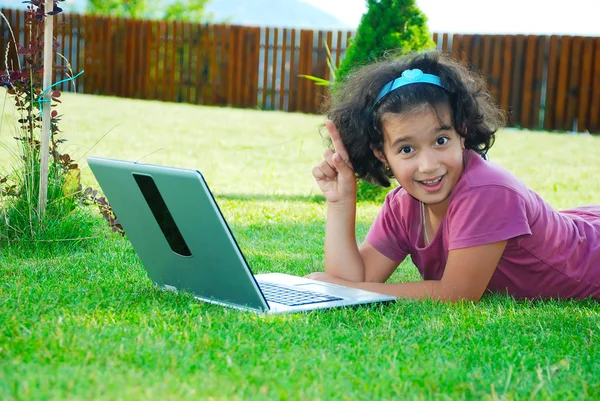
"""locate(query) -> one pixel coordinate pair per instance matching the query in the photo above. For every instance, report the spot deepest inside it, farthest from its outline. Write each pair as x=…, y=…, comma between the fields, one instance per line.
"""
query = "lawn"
x=81, y=320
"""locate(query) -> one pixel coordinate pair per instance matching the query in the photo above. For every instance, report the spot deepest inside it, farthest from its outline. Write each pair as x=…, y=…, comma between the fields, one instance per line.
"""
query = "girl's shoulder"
x=481, y=173
x=398, y=198
x=400, y=205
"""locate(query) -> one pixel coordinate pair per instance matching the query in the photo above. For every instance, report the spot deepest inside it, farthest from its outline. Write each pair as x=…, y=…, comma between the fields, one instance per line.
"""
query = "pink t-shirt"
x=550, y=254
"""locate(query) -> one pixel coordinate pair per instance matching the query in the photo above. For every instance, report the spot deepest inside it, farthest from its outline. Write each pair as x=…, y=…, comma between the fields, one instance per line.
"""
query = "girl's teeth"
x=432, y=182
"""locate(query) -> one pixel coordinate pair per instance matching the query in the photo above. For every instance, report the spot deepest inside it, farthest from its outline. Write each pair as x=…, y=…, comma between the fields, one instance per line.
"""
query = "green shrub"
x=396, y=26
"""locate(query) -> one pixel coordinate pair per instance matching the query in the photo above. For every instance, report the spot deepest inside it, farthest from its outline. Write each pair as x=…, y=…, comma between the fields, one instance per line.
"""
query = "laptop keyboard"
x=292, y=297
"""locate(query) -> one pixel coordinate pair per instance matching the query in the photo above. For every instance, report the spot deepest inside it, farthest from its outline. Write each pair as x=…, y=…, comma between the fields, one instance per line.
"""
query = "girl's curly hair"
x=475, y=115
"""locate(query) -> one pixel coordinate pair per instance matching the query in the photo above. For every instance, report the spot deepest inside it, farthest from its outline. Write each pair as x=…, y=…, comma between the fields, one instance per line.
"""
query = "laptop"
x=183, y=241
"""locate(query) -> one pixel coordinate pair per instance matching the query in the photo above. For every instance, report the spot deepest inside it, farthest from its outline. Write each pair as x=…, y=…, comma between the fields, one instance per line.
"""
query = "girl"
x=468, y=225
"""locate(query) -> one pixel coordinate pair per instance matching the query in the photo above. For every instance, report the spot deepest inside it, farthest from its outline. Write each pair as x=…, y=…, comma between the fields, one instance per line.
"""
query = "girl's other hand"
x=334, y=174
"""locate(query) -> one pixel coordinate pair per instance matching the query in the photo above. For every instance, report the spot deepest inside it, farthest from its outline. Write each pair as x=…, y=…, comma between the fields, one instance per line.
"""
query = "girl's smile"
x=432, y=185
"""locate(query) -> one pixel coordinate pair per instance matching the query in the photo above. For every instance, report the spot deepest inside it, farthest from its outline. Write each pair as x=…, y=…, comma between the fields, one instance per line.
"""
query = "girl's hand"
x=334, y=174
x=321, y=276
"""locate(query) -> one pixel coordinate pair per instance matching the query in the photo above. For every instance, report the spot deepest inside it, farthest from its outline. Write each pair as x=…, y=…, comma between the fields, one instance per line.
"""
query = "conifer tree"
x=388, y=25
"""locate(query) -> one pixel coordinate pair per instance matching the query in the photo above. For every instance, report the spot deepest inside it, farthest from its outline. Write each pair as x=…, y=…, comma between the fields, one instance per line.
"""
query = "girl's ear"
x=462, y=142
x=379, y=155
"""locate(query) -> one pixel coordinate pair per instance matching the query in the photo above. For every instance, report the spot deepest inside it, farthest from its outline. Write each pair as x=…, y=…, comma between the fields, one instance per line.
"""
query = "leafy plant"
x=19, y=190
x=181, y=10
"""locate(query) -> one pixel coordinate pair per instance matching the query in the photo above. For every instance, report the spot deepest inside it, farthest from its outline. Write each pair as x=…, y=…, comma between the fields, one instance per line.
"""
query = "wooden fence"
x=545, y=82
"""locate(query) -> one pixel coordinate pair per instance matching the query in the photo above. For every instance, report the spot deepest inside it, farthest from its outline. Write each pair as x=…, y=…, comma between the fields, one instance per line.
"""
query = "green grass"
x=80, y=319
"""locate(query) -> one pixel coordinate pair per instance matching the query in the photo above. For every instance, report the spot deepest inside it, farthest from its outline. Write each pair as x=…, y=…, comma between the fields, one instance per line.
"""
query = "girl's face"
x=424, y=153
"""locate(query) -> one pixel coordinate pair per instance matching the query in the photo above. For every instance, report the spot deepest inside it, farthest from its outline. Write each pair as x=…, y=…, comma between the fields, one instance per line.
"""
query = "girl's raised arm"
x=343, y=259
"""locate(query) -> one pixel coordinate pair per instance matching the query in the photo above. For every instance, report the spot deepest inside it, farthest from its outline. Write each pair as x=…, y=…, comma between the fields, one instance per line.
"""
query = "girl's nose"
x=428, y=162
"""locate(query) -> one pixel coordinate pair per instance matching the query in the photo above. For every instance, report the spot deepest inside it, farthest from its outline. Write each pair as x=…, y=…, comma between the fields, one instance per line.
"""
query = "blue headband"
x=408, y=77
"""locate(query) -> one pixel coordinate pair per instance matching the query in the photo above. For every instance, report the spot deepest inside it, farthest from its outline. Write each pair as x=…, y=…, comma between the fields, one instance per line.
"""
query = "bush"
x=396, y=26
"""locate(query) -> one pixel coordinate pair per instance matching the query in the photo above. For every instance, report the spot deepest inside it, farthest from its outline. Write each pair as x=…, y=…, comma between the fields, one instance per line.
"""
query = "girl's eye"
x=442, y=140
x=406, y=150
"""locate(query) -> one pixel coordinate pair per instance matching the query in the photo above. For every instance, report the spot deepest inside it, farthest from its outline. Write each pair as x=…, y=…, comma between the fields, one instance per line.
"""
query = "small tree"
x=388, y=25
x=22, y=77
x=181, y=10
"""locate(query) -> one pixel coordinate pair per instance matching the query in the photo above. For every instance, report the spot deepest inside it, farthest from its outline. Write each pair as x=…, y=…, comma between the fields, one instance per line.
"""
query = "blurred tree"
x=182, y=10
x=119, y=8
x=388, y=25
x=187, y=10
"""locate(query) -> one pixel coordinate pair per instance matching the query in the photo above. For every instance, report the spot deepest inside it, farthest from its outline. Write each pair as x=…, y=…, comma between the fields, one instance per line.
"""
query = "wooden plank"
x=266, y=51
x=562, y=84
x=435, y=38
x=475, y=55
x=166, y=52
x=338, y=49
x=59, y=62
x=530, y=55
x=465, y=53
x=303, y=55
x=185, y=62
x=155, y=61
x=76, y=54
x=505, y=81
x=330, y=75
x=107, y=55
x=306, y=55
x=149, y=29
x=445, y=43
x=175, y=87
x=540, y=63
x=214, y=70
x=222, y=51
x=456, y=50
x=585, y=85
x=180, y=54
x=230, y=48
x=594, y=126
x=496, y=66
x=102, y=60
x=89, y=55
x=319, y=69
x=208, y=55
x=189, y=46
x=93, y=50
x=18, y=29
x=123, y=56
x=516, y=91
x=486, y=62
x=282, y=73
x=121, y=65
x=140, y=61
x=173, y=76
x=253, y=59
x=129, y=71
x=293, y=83
x=551, y=83
x=573, y=84
x=330, y=46
x=241, y=88
x=274, y=67
x=118, y=45
x=200, y=49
